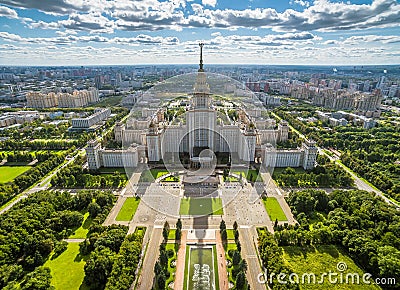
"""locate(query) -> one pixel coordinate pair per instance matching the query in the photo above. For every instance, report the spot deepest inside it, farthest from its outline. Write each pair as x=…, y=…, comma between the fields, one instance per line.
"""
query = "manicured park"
x=8, y=173
x=128, y=209
x=322, y=259
x=274, y=209
x=67, y=269
x=201, y=206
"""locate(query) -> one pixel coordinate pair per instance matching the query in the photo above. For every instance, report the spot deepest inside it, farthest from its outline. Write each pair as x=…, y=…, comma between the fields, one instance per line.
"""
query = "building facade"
x=199, y=133
x=76, y=99
x=80, y=124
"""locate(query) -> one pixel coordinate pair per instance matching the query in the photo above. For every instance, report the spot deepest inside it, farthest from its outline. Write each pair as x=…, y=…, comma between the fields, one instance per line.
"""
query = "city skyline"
x=161, y=32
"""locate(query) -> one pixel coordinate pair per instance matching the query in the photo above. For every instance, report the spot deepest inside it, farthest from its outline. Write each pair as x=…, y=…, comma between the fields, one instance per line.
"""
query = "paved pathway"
x=249, y=252
x=74, y=240
x=180, y=263
x=222, y=271
x=146, y=278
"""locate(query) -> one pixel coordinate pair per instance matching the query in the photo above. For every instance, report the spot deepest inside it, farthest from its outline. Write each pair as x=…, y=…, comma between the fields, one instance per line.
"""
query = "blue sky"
x=101, y=32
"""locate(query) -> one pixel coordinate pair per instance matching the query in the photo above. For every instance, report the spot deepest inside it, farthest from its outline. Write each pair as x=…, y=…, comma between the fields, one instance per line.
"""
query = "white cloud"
x=209, y=2
x=8, y=12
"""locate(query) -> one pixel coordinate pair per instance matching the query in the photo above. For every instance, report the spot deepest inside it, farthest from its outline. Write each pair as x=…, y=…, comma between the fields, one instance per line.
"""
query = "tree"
x=164, y=259
x=179, y=224
x=161, y=279
x=178, y=234
x=224, y=235
x=40, y=279
x=236, y=258
x=240, y=280
x=165, y=234
x=236, y=232
x=98, y=267
x=158, y=268
x=242, y=266
x=222, y=225
x=94, y=209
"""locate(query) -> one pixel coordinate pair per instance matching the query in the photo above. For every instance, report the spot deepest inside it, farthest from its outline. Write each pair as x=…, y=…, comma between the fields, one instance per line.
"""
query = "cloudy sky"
x=91, y=32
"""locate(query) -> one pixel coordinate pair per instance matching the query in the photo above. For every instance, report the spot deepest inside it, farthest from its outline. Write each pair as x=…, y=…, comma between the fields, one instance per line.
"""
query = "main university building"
x=200, y=136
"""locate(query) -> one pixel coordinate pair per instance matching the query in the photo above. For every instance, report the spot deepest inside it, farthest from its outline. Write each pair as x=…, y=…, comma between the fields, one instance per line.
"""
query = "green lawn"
x=230, y=234
x=128, y=209
x=171, y=234
x=205, y=258
x=81, y=232
x=152, y=174
x=8, y=173
x=171, y=270
x=322, y=259
x=67, y=269
x=274, y=210
x=201, y=206
x=251, y=175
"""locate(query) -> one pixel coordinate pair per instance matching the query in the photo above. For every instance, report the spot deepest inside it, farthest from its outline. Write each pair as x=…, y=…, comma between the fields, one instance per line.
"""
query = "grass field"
x=231, y=234
x=251, y=175
x=274, y=210
x=205, y=261
x=322, y=259
x=171, y=234
x=81, y=232
x=8, y=173
x=152, y=174
x=67, y=269
x=201, y=206
x=128, y=209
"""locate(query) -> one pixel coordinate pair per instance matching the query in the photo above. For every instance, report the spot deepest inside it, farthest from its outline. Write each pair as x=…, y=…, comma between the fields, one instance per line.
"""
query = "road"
x=249, y=252
x=145, y=281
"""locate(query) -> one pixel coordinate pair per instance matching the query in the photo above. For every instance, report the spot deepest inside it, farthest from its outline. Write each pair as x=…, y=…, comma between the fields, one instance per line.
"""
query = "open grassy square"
x=323, y=259
x=201, y=206
x=274, y=209
x=67, y=269
x=8, y=173
x=128, y=210
x=201, y=270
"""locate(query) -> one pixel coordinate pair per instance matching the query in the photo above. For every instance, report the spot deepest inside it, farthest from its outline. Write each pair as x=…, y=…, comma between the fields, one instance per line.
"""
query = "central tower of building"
x=201, y=118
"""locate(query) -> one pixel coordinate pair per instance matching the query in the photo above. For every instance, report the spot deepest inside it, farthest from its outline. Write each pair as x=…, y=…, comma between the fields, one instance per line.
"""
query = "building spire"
x=201, y=44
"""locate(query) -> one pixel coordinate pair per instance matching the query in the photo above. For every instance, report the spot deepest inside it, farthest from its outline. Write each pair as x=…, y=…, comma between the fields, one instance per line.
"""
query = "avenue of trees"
x=327, y=175
x=34, y=227
x=76, y=177
x=22, y=182
x=237, y=265
x=126, y=262
x=364, y=225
